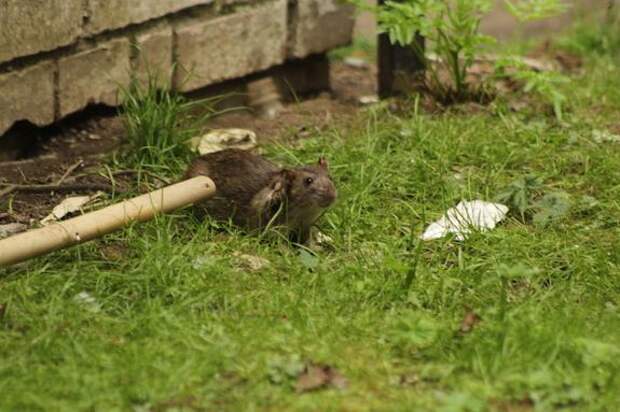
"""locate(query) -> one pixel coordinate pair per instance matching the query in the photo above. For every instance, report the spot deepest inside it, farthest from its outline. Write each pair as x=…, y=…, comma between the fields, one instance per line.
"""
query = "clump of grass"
x=159, y=122
x=152, y=116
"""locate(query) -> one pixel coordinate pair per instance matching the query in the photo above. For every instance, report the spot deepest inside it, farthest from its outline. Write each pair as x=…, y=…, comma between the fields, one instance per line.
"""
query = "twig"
x=57, y=188
x=7, y=190
x=70, y=170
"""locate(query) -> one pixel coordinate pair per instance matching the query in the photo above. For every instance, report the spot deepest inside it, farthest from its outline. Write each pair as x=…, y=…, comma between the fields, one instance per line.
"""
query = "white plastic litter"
x=466, y=217
x=220, y=139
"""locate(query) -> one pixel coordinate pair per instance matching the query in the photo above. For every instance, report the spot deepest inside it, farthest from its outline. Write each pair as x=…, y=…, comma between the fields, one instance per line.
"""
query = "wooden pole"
x=398, y=66
x=100, y=222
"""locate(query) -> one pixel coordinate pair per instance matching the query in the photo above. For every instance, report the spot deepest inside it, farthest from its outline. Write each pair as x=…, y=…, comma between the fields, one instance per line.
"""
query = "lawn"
x=179, y=314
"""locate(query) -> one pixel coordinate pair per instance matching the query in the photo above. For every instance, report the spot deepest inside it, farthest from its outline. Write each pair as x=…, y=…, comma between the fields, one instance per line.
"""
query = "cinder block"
x=153, y=61
x=27, y=94
x=114, y=14
x=31, y=26
x=231, y=46
x=320, y=25
x=93, y=76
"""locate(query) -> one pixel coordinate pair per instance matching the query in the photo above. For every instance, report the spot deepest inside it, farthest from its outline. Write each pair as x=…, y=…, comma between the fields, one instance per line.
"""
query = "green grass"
x=179, y=322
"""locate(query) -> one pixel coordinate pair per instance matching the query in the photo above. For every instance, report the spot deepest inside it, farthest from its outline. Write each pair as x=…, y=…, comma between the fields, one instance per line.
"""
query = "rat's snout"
x=328, y=196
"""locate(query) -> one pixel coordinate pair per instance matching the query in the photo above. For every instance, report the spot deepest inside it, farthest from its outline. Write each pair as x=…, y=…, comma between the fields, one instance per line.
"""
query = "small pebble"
x=356, y=62
x=371, y=99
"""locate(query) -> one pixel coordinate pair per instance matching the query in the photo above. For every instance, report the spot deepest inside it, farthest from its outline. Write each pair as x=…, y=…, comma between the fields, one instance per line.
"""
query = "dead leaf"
x=323, y=239
x=409, y=379
x=220, y=139
x=11, y=229
x=2, y=310
x=68, y=206
x=316, y=377
x=470, y=320
x=252, y=263
x=113, y=252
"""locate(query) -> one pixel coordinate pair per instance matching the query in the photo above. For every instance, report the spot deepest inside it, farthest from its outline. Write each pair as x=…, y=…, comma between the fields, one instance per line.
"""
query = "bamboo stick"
x=100, y=222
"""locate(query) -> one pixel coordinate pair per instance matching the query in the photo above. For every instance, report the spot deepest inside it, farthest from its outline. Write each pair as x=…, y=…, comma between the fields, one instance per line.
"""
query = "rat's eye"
x=308, y=181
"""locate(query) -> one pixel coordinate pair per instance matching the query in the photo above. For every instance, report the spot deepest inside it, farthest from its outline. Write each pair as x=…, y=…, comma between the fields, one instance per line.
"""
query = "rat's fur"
x=253, y=192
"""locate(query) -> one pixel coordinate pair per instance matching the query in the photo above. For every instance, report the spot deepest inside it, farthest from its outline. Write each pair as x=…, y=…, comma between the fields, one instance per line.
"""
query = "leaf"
x=320, y=376
x=551, y=208
x=250, y=262
x=220, y=139
x=68, y=206
x=281, y=369
x=413, y=330
x=470, y=320
x=307, y=259
x=518, y=194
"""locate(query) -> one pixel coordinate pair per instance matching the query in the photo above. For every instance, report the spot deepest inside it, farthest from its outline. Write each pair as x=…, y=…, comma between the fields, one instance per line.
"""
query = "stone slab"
x=320, y=25
x=113, y=14
x=29, y=27
x=27, y=94
x=93, y=76
x=153, y=60
x=231, y=46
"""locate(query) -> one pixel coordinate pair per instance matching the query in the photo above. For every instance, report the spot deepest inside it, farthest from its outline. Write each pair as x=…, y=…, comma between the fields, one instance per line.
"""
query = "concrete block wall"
x=58, y=56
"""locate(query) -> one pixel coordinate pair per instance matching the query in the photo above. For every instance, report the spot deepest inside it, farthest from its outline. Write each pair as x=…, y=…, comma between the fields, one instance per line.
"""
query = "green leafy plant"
x=518, y=194
x=451, y=30
x=545, y=84
x=551, y=207
x=531, y=10
x=525, y=195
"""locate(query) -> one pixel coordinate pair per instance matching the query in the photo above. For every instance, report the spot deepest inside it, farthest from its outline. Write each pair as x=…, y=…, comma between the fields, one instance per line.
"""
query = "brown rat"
x=254, y=193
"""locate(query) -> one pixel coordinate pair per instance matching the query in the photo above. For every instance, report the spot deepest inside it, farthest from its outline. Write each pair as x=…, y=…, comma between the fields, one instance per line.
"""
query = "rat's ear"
x=323, y=163
x=287, y=175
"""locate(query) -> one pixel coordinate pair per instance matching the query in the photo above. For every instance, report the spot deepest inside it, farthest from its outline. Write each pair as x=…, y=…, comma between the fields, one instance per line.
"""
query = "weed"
x=159, y=122
x=451, y=30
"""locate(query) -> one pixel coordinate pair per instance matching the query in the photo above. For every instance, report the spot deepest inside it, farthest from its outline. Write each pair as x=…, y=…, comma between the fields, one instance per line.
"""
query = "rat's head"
x=311, y=186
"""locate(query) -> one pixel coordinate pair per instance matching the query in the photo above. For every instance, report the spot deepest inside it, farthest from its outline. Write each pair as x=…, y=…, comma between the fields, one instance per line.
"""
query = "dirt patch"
x=92, y=136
